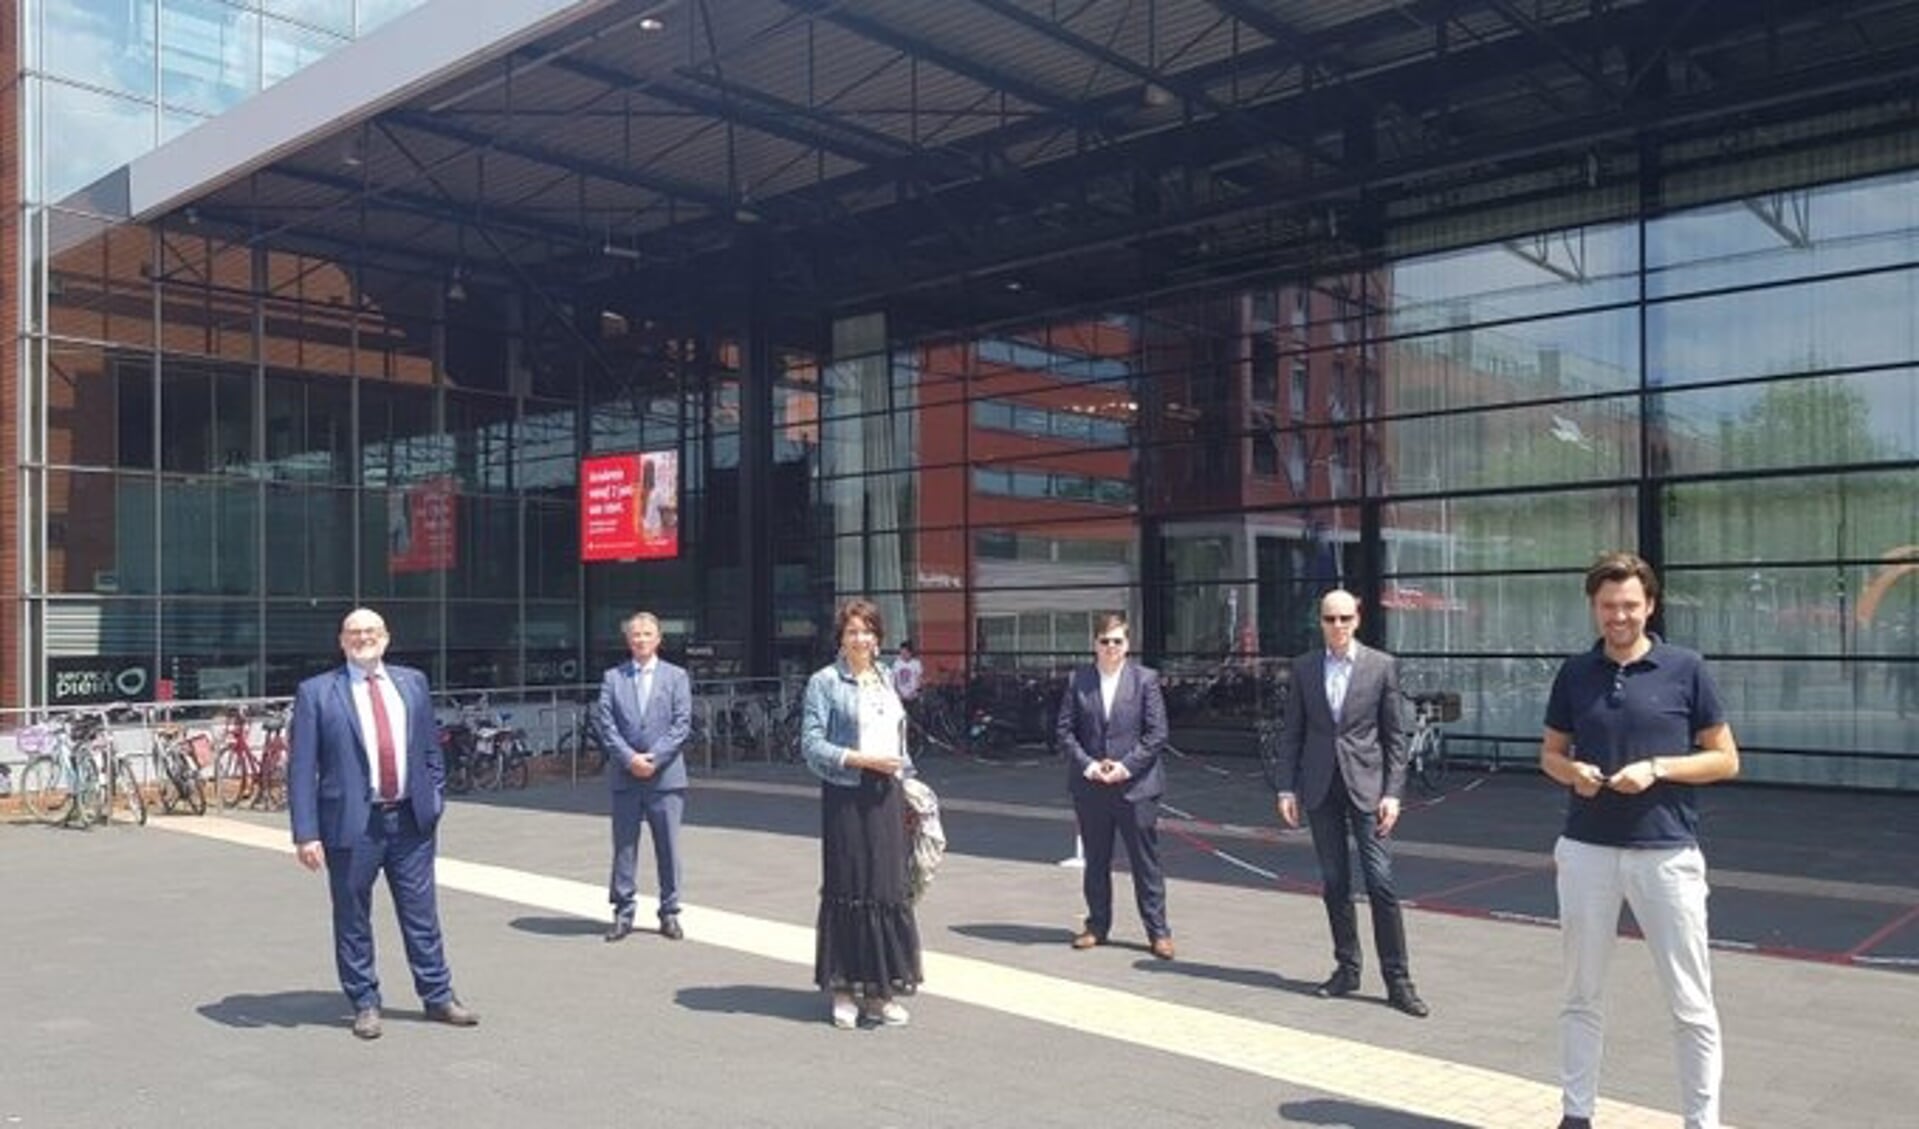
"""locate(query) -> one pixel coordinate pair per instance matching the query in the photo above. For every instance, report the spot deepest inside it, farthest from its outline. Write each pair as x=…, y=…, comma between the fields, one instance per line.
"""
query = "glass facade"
x=144, y=469
x=232, y=444
x=110, y=79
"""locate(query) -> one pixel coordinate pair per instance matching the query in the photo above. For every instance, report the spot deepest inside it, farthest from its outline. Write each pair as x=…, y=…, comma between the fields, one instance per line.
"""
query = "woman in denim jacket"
x=867, y=945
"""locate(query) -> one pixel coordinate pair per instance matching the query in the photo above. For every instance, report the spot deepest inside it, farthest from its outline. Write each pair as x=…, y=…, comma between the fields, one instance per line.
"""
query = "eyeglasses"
x=1112, y=641
x=1337, y=618
x=1617, y=694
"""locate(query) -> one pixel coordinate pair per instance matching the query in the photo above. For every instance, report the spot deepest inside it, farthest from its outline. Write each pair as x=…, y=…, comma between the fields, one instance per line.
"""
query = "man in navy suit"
x=1112, y=726
x=1342, y=756
x=645, y=715
x=365, y=789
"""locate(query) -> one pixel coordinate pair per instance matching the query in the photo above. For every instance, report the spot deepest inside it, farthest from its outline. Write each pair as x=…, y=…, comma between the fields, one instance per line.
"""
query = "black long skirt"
x=866, y=940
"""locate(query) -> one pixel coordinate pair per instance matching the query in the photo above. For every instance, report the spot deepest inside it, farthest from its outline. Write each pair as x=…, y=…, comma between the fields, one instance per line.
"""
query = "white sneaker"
x=892, y=1014
x=846, y=1013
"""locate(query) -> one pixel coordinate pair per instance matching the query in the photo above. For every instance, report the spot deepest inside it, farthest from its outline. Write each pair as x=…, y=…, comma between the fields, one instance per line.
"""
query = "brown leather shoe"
x=1086, y=939
x=453, y=1013
x=366, y=1023
x=1163, y=948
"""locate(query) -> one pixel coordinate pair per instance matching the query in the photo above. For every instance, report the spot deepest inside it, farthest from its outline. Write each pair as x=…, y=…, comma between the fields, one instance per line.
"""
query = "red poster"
x=630, y=507
x=421, y=528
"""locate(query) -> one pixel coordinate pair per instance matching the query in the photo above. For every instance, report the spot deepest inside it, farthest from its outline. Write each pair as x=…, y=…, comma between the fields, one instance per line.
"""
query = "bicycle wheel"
x=92, y=802
x=180, y=783
x=1419, y=760
x=459, y=771
x=172, y=795
x=1433, y=772
x=232, y=777
x=517, y=772
x=126, y=790
x=592, y=752
x=488, y=765
x=273, y=781
x=46, y=788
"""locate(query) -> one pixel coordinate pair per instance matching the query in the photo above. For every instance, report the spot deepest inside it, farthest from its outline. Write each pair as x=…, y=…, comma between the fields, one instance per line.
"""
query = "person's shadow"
x=801, y=1005
x=1013, y=933
x=304, y=1007
x=558, y=926
x=1228, y=974
x=1353, y=1115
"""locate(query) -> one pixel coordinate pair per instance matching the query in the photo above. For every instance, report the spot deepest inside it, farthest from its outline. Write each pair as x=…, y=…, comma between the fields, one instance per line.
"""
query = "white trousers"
x=1666, y=888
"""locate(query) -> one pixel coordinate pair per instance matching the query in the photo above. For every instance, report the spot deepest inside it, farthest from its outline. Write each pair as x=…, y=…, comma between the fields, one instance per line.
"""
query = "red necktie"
x=383, y=738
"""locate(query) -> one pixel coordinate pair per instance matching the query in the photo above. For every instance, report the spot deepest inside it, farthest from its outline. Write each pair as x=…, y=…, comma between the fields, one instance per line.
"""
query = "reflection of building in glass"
x=995, y=370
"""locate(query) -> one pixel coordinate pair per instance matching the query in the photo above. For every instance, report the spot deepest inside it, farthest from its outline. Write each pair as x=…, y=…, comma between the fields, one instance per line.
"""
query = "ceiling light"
x=652, y=23
x=456, y=287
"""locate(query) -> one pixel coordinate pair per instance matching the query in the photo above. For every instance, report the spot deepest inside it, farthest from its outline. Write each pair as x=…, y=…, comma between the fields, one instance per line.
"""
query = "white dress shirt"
x=370, y=733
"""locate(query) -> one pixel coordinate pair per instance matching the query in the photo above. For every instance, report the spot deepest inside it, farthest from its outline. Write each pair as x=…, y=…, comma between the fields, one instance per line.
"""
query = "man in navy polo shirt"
x=1633, y=727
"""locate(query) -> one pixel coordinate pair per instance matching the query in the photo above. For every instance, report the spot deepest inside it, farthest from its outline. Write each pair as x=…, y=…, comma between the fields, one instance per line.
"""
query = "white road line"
x=1379, y=1076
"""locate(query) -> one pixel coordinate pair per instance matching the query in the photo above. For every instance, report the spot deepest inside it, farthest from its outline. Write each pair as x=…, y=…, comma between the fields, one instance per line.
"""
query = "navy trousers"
x=395, y=845
x=1102, y=814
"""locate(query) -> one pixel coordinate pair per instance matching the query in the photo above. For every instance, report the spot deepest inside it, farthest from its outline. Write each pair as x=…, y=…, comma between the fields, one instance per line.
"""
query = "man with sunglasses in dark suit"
x=1112, y=727
x=1342, y=757
x=1633, y=727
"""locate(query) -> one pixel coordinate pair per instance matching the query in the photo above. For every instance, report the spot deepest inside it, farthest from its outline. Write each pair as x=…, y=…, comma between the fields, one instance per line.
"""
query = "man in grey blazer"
x=1112, y=727
x=645, y=715
x=1342, y=756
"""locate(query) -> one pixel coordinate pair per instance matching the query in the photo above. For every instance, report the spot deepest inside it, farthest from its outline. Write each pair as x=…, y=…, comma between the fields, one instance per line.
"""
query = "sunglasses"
x=1112, y=641
x=1337, y=618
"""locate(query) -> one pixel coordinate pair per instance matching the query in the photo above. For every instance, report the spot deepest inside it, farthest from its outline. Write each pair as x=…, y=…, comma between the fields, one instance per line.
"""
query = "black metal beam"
x=1611, y=91
x=1193, y=92
x=414, y=203
x=978, y=71
x=1571, y=135
x=480, y=140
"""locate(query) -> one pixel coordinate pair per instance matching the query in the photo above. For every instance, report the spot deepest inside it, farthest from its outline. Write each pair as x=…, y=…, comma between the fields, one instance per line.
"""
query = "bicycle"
x=75, y=776
x=1426, y=751
x=939, y=713
x=583, y=741
x=240, y=773
x=179, y=758
x=500, y=756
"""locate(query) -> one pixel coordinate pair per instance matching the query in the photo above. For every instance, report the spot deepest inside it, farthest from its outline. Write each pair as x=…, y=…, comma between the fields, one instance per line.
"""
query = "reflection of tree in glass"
x=1803, y=423
x=1769, y=531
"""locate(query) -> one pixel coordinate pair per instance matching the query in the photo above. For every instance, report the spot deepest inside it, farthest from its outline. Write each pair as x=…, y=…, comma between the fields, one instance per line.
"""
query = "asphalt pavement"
x=181, y=974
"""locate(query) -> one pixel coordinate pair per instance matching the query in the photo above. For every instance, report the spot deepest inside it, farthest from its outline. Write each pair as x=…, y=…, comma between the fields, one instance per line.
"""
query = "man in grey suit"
x=1112, y=726
x=1342, y=755
x=645, y=715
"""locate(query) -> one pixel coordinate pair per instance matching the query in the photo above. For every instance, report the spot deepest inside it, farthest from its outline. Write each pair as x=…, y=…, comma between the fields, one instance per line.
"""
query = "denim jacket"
x=830, y=726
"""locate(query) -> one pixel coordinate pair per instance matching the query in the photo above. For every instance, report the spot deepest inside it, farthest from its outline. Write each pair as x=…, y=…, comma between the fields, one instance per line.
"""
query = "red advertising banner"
x=630, y=507
x=421, y=528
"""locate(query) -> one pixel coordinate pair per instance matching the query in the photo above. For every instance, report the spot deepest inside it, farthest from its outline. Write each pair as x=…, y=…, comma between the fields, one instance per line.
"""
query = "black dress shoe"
x=453, y=1013
x=366, y=1023
x=619, y=929
x=1340, y=983
x=1402, y=997
x=670, y=927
